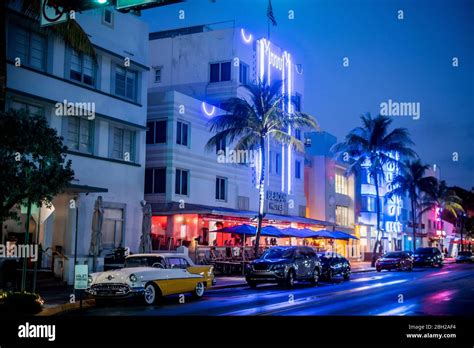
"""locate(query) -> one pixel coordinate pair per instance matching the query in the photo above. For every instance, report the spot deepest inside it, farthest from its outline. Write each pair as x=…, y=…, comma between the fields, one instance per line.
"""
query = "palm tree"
x=372, y=145
x=250, y=123
x=69, y=32
x=413, y=182
x=445, y=199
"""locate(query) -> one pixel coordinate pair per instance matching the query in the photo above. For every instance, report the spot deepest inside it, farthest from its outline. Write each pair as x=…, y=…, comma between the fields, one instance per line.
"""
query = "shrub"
x=20, y=302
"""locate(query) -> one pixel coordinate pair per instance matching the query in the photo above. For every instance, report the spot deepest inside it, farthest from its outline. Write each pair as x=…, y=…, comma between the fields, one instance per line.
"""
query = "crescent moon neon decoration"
x=208, y=112
x=247, y=39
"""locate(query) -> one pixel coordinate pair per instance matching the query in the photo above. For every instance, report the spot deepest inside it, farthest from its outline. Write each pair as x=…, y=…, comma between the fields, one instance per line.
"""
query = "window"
x=181, y=182
x=221, y=145
x=155, y=180
x=80, y=134
x=220, y=72
x=178, y=262
x=297, y=102
x=341, y=184
x=126, y=82
x=297, y=169
x=370, y=203
x=298, y=134
x=182, y=135
x=243, y=73
x=108, y=17
x=342, y=215
x=221, y=188
x=123, y=144
x=30, y=108
x=31, y=48
x=156, y=132
x=429, y=224
x=278, y=163
x=82, y=68
x=158, y=75
x=112, y=228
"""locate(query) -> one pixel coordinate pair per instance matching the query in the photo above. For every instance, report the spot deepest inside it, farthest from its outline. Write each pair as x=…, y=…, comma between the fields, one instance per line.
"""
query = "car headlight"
x=279, y=267
x=429, y=258
x=133, y=278
x=89, y=280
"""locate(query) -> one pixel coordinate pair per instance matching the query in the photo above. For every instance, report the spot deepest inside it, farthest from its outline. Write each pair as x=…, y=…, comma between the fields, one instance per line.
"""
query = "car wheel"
x=330, y=275
x=199, y=290
x=347, y=274
x=290, y=279
x=152, y=294
x=315, y=279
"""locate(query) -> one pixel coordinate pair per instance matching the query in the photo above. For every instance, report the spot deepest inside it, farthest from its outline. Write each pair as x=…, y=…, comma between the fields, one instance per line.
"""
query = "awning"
x=76, y=188
x=172, y=208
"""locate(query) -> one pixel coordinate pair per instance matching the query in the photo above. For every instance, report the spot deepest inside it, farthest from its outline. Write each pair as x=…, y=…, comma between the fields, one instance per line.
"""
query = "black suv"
x=428, y=257
x=284, y=265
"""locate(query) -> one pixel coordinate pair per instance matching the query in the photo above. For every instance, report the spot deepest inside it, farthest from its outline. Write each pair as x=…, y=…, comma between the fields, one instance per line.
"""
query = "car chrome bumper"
x=106, y=291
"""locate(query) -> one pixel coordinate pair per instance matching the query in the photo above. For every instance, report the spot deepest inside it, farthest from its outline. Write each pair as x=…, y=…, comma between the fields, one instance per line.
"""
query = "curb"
x=65, y=308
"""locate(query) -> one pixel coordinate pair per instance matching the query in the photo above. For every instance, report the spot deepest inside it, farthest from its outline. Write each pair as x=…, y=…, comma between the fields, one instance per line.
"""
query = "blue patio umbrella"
x=343, y=235
x=299, y=233
x=324, y=234
x=243, y=229
x=272, y=231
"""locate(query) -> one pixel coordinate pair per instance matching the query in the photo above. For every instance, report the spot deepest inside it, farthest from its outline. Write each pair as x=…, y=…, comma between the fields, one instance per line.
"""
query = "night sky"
x=409, y=60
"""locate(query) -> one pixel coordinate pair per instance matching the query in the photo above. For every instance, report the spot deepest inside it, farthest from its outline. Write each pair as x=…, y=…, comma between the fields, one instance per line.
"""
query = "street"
x=424, y=291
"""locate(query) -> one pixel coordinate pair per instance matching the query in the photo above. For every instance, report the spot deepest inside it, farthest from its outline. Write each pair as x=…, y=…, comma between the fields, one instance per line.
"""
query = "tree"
x=70, y=32
x=372, y=145
x=250, y=123
x=445, y=199
x=413, y=182
x=34, y=167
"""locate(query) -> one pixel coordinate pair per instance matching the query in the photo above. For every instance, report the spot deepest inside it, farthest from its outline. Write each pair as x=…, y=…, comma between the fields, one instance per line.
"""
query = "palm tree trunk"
x=377, y=211
x=413, y=217
x=261, y=198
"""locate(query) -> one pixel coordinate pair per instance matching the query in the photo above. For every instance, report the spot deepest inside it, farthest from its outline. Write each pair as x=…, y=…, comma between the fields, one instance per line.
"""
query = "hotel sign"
x=277, y=202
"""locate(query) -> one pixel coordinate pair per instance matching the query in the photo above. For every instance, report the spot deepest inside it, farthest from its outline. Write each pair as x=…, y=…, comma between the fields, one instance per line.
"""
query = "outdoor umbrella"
x=272, y=231
x=244, y=229
x=145, y=239
x=323, y=234
x=96, y=238
x=299, y=233
x=343, y=235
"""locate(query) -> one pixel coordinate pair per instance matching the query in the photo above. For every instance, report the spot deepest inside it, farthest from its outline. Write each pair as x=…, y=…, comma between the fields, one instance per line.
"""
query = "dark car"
x=428, y=257
x=284, y=265
x=333, y=264
x=398, y=260
x=465, y=256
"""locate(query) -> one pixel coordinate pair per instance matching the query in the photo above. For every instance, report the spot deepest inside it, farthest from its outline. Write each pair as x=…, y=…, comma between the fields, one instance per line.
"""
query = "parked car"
x=333, y=264
x=284, y=265
x=152, y=276
x=399, y=260
x=465, y=256
x=428, y=257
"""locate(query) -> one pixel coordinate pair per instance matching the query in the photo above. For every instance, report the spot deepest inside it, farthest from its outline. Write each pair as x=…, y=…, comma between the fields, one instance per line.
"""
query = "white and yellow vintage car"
x=152, y=276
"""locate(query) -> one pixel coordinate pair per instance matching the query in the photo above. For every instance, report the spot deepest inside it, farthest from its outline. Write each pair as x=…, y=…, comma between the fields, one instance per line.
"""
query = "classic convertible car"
x=152, y=276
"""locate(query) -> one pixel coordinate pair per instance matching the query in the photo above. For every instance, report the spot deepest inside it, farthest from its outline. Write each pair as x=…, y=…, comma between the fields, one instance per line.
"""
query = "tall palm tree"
x=69, y=32
x=413, y=182
x=252, y=121
x=445, y=199
x=371, y=145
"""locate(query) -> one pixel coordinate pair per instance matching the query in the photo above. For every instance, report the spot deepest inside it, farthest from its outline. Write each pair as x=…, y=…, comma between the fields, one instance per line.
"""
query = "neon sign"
x=207, y=112
x=245, y=38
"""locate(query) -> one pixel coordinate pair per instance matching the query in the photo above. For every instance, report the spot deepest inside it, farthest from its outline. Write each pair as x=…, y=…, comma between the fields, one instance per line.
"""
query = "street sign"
x=81, y=276
x=51, y=15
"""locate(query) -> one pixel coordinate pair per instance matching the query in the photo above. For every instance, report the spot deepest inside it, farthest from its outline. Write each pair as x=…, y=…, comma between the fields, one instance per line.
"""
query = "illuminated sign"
x=245, y=38
x=208, y=111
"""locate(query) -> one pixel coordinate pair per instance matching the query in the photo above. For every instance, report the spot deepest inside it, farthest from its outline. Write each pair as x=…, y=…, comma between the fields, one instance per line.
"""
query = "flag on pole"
x=270, y=15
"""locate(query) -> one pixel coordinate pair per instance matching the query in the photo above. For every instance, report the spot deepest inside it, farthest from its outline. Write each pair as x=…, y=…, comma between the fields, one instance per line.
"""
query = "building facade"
x=193, y=191
x=106, y=147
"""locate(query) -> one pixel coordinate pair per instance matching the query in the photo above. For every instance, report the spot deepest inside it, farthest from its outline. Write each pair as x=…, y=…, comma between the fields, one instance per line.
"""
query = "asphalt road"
x=424, y=291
